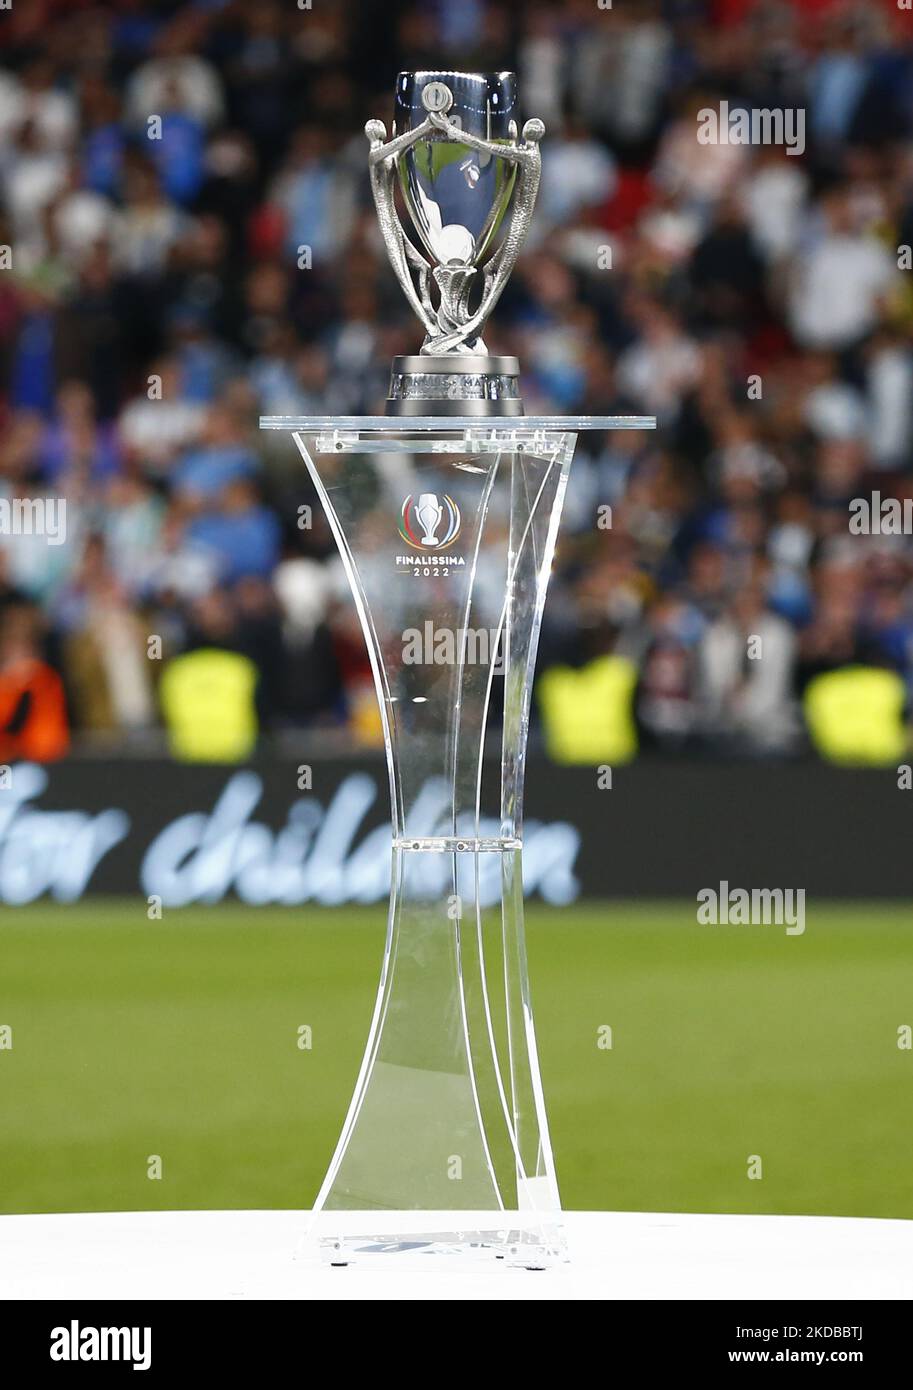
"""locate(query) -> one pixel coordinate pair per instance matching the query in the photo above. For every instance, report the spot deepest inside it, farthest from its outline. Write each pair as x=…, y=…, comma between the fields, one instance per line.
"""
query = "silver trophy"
x=440, y=521
x=462, y=169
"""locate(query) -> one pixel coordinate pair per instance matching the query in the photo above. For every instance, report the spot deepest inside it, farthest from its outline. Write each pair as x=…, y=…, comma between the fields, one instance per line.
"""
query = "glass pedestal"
x=446, y=528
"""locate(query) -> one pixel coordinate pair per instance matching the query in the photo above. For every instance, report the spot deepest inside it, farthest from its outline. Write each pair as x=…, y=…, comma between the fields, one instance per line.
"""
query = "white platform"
x=621, y=1255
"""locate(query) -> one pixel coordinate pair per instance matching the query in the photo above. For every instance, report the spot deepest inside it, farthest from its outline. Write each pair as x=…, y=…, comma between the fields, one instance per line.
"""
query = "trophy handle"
x=400, y=250
x=526, y=155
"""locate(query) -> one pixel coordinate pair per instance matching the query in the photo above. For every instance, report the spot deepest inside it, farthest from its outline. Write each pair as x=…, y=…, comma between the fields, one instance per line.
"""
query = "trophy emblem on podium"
x=462, y=171
x=429, y=512
x=429, y=523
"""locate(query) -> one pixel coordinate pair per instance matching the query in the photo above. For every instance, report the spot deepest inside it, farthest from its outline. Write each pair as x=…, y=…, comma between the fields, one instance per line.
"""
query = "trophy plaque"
x=445, y=511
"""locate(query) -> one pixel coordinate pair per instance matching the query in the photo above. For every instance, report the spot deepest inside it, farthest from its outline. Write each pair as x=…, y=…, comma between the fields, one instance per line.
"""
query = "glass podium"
x=446, y=528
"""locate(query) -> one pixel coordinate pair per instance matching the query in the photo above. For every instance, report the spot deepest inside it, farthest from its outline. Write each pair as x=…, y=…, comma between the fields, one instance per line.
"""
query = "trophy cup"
x=445, y=511
x=462, y=170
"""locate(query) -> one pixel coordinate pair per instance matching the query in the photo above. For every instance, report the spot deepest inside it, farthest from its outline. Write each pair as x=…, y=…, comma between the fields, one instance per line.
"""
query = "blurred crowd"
x=752, y=298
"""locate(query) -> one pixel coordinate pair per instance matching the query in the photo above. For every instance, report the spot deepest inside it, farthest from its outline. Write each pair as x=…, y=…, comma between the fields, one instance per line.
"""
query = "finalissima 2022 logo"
x=429, y=524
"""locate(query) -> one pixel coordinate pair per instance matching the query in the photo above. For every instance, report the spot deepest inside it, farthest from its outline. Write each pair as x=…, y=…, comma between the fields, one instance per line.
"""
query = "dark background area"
x=661, y=831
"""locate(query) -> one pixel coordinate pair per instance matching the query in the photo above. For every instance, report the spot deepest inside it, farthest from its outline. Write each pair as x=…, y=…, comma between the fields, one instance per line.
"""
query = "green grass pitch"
x=179, y=1038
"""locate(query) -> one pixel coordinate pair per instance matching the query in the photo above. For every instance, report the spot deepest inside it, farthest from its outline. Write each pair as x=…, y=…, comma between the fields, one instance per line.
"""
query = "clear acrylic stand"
x=447, y=528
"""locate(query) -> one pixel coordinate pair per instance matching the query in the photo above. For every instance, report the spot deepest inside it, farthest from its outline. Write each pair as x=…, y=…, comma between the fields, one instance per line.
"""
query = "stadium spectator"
x=746, y=666
x=33, y=715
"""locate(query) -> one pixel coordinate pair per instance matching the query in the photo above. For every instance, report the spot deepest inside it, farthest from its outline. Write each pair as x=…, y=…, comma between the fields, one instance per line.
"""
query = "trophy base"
x=455, y=384
x=525, y=1240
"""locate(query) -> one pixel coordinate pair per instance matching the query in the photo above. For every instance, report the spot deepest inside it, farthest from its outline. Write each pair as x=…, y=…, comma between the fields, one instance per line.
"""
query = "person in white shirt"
x=746, y=663
x=838, y=287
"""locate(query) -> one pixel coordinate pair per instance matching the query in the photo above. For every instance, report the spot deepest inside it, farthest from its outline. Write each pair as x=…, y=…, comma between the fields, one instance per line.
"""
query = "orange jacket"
x=33, y=713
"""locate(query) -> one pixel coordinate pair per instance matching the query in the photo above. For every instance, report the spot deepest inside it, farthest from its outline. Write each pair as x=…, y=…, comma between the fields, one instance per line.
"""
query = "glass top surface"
x=419, y=424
